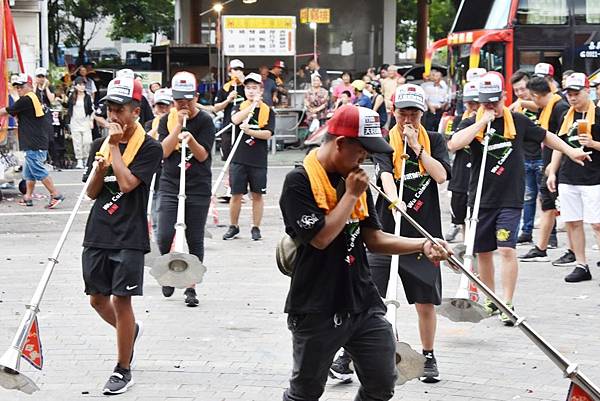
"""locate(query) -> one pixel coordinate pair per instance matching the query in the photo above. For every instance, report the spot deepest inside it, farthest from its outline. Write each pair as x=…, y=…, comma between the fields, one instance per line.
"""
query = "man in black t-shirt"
x=503, y=182
x=33, y=140
x=332, y=302
x=116, y=234
x=199, y=134
x=552, y=108
x=228, y=97
x=256, y=123
x=578, y=185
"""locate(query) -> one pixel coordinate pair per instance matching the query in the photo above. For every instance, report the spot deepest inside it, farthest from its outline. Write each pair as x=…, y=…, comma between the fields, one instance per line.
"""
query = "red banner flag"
x=32, y=350
x=576, y=393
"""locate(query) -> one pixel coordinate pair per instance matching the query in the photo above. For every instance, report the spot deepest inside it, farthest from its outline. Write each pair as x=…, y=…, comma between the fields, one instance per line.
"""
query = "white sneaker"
x=595, y=247
x=79, y=164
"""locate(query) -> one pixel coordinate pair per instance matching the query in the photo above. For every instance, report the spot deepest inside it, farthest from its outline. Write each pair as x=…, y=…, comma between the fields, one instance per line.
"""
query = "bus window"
x=529, y=58
x=587, y=52
x=482, y=14
x=587, y=11
x=543, y=12
x=492, y=57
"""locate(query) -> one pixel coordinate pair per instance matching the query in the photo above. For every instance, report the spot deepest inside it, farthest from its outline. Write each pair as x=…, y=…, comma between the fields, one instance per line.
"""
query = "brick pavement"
x=236, y=346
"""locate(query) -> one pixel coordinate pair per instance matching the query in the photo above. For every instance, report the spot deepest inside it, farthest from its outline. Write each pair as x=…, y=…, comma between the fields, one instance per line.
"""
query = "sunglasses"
x=40, y=76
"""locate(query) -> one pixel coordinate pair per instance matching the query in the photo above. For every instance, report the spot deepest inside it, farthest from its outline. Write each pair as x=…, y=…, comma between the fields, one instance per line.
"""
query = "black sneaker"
x=190, y=297
x=118, y=382
x=524, y=238
x=450, y=236
x=553, y=242
x=430, y=373
x=580, y=273
x=535, y=254
x=340, y=368
x=255, y=234
x=139, y=330
x=231, y=233
x=167, y=291
x=567, y=259
x=55, y=201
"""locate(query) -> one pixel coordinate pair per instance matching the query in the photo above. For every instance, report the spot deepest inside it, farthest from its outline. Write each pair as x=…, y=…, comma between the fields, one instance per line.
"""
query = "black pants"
x=432, y=120
x=196, y=210
x=367, y=337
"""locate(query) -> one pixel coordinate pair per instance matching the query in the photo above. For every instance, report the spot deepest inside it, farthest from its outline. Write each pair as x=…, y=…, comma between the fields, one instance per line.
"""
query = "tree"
x=139, y=18
x=82, y=12
x=441, y=16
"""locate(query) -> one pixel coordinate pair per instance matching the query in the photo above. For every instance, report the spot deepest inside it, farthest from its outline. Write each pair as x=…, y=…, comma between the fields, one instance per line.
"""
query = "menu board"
x=255, y=35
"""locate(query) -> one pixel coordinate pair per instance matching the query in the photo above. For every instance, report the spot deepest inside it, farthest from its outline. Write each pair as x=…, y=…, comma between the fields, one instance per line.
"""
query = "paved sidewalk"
x=236, y=347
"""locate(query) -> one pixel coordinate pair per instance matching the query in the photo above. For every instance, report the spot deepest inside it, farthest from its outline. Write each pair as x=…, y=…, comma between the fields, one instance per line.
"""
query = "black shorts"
x=225, y=144
x=242, y=176
x=425, y=287
x=547, y=198
x=113, y=271
x=458, y=207
x=497, y=228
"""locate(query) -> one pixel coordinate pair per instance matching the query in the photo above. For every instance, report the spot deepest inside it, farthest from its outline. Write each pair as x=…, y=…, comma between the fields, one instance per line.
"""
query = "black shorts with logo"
x=242, y=176
x=497, y=228
x=113, y=271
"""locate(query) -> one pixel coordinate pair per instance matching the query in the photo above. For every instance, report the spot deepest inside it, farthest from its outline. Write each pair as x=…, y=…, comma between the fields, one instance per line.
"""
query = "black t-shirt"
x=33, y=131
x=198, y=178
x=504, y=179
x=252, y=151
x=420, y=192
x=229, y=110
x=461, y=166
x=571, y=172
x=41, y=94
x=118, y=220
x=338, y=278
x=556, y=118
x=532, y=149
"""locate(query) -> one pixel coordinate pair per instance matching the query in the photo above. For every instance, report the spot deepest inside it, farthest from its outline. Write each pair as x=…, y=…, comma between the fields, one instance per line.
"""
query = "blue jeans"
x=534, y=171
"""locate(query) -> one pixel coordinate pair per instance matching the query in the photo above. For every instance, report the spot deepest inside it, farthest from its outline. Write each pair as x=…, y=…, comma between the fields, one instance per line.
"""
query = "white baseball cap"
x=474, y=73
x=41, y=71
x=471, y=92
x=254, y=77
x=360, y=123
x=123, y=90
x=577, y=81
x=125, y=73
x=410, y=95
x=22, y=79
x=183, y=85
x=236, y=63
x=491, y=87
x=163, y=96
x=543, y=69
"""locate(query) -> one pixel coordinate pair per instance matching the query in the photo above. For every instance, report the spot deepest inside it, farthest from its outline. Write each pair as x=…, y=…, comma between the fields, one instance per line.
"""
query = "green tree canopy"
x=137, y=19
x=441, y=16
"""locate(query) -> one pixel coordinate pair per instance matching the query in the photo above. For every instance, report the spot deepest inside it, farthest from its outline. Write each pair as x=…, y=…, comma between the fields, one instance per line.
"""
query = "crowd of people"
x=545, y=147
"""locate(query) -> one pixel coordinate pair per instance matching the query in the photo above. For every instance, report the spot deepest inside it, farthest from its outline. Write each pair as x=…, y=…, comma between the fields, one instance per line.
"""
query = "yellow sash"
x=233, y=82
x=510, y=131
x=37, y=106
x=590, y=116
x=154, y=130
x=544, y=119
x=263, y=112
x=398, y=145
x=324, y=193
x=133, y=146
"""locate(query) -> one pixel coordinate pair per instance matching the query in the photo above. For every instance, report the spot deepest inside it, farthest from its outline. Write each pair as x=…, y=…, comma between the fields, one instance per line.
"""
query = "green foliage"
x=441, y=16
x=140, y=18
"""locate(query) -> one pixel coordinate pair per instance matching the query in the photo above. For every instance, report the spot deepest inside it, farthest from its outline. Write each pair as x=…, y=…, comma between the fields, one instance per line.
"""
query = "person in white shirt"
x=80, y=120
x=437, y=97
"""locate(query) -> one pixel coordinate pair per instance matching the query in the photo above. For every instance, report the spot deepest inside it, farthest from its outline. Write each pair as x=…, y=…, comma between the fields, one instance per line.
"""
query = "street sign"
x=259, y=35
x=317, y=15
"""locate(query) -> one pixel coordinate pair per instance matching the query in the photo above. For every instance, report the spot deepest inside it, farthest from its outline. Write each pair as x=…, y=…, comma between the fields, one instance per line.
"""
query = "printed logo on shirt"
x=416, y=182
x=307, y=222
x=111, y=184
x=502, y=235
x=352, y=232
x=500, y=150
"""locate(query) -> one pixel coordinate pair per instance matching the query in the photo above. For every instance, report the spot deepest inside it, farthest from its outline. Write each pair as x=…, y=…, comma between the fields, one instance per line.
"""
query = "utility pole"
x=422, y=28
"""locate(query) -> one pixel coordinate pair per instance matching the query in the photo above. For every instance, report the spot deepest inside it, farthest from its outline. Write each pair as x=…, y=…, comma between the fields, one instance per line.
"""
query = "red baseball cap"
x=543, y=69
x=124, y=90
x=360, y=123
x=577, y=81
x=279, y=63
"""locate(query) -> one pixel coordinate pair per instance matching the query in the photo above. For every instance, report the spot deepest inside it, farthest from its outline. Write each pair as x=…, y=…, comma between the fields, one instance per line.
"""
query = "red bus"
x=507, y=35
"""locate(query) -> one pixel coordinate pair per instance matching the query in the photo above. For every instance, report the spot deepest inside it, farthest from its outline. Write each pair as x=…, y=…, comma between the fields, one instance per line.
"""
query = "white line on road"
x=61, y=212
